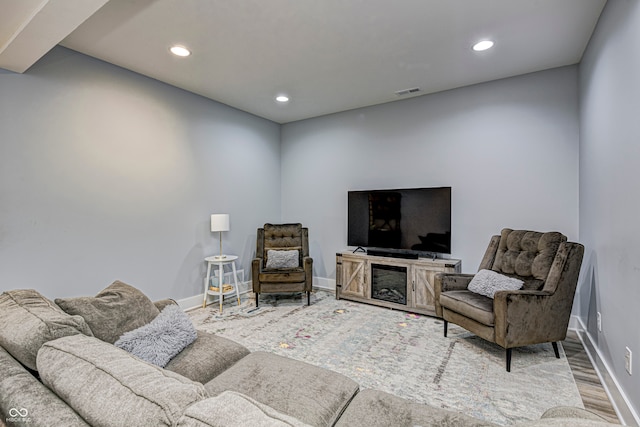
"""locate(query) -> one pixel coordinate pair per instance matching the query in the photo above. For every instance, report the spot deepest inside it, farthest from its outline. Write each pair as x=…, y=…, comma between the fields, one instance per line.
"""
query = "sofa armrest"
x=256, y=268
x=570, y=412
x=307, y=264
x=20, y=390
x=527, y=317
x=443, y=282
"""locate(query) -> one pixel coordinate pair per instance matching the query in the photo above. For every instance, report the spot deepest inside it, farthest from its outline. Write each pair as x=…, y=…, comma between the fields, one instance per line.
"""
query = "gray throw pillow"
x=282, y=259
x=487, y=283
x=159, y=341
x=117, y=309
x=29, y=320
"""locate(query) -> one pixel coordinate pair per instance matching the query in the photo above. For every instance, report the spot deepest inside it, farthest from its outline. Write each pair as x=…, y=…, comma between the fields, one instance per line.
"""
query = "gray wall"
x=609, y=195
x=105, y=174
x=508, y=149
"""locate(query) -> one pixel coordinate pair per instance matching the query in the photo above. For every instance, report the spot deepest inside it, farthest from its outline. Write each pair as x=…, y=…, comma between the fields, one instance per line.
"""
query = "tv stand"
x=358, y=249
x=364, y=277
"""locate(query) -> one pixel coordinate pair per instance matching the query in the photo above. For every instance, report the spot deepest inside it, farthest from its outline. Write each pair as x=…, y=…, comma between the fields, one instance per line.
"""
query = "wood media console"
x=398, y=283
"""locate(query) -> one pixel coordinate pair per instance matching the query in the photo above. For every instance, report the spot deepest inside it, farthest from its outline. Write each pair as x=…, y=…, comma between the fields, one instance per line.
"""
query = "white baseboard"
x=619, y=400
x=195, y=301
x=324, y=284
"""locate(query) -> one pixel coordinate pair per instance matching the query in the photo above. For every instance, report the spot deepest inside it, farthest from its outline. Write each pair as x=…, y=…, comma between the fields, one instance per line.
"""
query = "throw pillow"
x=159, y=341
x=29, y=320
x=117, y=309
x=487, y=283
x=282, y=259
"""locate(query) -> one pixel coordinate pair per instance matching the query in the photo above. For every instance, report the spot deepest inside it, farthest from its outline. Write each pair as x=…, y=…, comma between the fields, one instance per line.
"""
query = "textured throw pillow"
x=487, y=283
x=117, y=309
x=159, y=341
x=29, y=320
x=282, y=259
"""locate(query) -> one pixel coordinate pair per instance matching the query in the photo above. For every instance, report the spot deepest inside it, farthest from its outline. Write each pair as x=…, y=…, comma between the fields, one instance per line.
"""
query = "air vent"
x=407, y=91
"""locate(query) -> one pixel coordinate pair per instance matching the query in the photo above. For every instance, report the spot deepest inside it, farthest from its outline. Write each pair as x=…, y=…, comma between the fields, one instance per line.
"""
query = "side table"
x=221, y=262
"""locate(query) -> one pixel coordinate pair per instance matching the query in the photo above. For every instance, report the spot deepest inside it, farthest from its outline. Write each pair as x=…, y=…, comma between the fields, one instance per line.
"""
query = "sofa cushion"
x=472, y=305
x=294, y=275
x=108, y=386
x=29, y=320
x=231, y=409
x=207, y=357
x=161, y=339
x=117, y=309
x=372, y=408
x=313, y=395
x=34, y=403
x=487, y=283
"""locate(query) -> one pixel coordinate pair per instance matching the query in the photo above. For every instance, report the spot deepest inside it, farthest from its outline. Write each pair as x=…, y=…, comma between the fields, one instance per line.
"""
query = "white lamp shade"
x=220, y=222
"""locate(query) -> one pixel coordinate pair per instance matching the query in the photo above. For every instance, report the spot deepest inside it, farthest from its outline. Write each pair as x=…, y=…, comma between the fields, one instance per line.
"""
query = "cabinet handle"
x=413, y=283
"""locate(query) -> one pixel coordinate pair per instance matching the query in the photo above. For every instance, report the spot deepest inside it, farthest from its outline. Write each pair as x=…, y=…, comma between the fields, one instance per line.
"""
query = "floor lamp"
x=220, y=223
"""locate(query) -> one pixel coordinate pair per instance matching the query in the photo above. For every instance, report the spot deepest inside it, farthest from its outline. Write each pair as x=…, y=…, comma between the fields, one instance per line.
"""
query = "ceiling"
x=326, y=55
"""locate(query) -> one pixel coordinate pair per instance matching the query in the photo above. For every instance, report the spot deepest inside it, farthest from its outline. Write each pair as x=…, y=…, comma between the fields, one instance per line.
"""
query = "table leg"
x=220, y=284
x=235, y=280
x=206, y=285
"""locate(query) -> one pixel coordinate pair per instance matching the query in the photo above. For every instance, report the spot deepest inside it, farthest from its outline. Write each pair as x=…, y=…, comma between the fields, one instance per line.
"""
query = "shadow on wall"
x=319, y=268
x=248, y=254
x=588, y=295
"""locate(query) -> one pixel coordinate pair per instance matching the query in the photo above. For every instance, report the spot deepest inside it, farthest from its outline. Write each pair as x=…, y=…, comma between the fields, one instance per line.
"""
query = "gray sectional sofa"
x=61, y=364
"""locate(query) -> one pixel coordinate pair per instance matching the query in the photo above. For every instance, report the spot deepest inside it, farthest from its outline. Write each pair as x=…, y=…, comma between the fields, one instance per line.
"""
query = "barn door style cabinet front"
x=403, y=284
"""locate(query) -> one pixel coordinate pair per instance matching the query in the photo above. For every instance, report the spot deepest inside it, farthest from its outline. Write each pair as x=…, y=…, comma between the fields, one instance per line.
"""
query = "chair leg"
x=508, y=360
x=257, y=295
x=308, y=298
x=446, y=324
x=555, y=349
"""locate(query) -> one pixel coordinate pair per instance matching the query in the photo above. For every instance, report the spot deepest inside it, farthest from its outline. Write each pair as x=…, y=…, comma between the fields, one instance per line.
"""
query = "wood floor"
x=594, y=398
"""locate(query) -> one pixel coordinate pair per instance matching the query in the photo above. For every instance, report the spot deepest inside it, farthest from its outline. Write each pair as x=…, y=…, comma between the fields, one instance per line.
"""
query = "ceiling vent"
x=407, y=91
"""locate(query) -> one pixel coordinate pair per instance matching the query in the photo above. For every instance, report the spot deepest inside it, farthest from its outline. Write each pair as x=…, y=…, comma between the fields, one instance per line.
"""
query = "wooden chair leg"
x=508, y=360
x=308, y=298
x=555, y=349
x=257, y=295
x=446, y=324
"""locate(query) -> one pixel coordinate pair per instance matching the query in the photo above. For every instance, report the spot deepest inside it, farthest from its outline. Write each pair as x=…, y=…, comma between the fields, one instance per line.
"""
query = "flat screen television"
x=411, y=220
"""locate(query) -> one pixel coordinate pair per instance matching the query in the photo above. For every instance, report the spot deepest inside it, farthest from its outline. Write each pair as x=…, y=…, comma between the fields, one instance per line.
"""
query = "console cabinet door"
x=424, y=295
x=354, y=278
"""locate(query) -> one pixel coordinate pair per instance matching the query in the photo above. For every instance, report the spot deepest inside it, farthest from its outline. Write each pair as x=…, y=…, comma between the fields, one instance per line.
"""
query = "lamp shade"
x=220, y=222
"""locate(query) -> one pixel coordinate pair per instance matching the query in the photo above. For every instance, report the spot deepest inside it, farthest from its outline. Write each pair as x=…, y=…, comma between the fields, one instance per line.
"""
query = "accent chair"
x=548, y=267
x=282, y=263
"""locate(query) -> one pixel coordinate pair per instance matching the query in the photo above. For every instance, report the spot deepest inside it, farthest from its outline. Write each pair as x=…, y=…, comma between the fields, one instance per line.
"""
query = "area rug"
x=401, y=353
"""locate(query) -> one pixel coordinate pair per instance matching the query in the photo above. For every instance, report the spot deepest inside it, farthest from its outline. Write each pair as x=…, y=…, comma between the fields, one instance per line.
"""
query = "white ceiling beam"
x=39, y=27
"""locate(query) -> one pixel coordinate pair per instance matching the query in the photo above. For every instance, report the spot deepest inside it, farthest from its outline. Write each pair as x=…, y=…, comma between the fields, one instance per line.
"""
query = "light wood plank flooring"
x=594, y=398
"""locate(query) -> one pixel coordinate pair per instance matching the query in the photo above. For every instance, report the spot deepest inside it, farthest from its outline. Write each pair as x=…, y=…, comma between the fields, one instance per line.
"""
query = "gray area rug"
x=400, y=353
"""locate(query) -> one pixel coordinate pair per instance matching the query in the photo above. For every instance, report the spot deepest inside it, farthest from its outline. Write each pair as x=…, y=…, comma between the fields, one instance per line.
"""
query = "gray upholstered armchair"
x=537, y=313
x=282, y=263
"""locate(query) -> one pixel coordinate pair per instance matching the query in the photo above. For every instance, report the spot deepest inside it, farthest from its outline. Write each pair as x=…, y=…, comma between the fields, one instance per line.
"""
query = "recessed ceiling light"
x=180, y=50
x=282, y=98
x=483, y=45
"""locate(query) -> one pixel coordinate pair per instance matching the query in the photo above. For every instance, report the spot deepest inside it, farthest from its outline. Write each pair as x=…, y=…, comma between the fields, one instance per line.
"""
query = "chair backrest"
x=282, y=237
x=527, y=255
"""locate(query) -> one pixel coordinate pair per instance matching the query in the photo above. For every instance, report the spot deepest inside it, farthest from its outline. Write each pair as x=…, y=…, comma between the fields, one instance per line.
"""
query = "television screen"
x=412, y=219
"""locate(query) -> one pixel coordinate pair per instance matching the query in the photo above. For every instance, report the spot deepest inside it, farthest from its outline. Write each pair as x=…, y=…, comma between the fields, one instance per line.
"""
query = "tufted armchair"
x=537, y=313
x=282, y=263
